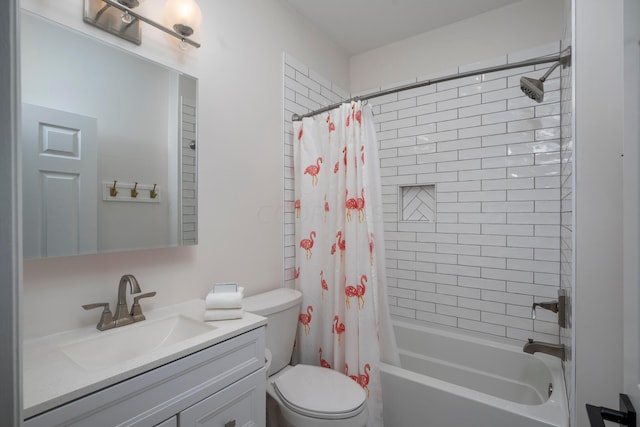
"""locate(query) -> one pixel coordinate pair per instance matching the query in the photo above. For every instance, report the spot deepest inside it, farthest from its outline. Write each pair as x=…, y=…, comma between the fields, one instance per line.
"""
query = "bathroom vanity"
x=169, y=370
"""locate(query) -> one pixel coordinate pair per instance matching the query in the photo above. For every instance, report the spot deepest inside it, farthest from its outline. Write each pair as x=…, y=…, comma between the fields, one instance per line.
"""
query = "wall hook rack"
x=138, y=192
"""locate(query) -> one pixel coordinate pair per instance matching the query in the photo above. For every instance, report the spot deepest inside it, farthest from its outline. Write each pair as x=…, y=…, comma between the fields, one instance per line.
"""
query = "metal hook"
x=153, y=193
x=112, y=191
x=134, y=191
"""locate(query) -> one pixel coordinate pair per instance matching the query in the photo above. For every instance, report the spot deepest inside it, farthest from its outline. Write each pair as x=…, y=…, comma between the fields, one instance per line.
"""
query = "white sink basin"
x=119, y=345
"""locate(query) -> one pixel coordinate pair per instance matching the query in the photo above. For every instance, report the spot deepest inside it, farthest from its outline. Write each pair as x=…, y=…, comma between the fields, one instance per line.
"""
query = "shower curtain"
x=344, y=324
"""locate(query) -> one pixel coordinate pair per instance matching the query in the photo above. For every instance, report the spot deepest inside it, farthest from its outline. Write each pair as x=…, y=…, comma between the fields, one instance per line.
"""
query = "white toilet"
x=302, y=395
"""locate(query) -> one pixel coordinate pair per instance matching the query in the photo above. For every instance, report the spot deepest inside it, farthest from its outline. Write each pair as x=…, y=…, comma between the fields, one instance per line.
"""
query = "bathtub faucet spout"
x=556, y=350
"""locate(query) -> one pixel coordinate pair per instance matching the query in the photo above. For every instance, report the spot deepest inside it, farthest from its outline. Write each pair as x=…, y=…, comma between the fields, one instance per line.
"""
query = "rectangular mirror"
x=94, y=115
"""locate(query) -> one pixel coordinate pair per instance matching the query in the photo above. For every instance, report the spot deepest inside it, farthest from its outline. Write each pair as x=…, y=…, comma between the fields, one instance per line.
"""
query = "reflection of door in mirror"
x=60, y=201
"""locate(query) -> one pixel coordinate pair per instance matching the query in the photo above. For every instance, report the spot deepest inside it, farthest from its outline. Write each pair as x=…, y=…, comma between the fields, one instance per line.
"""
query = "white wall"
x=240, y=166
x=508, y=29
x=598, y=322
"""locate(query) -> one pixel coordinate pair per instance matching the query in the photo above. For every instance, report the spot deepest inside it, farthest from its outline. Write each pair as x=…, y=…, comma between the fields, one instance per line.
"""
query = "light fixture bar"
x=175, y=34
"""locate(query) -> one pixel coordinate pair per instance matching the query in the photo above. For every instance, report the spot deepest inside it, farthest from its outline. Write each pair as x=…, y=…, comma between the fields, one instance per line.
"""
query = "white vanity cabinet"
x=219, y=386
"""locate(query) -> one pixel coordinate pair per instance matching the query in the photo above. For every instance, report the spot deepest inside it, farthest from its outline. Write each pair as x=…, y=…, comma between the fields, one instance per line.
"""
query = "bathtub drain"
x=550, y=389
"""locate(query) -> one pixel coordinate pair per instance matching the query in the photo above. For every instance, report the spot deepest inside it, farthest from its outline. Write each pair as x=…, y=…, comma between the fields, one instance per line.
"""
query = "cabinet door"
x=242, y=404
x=171, y=422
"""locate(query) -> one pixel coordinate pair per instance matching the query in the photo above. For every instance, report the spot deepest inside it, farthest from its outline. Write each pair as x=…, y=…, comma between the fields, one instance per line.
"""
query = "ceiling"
x=361, y=25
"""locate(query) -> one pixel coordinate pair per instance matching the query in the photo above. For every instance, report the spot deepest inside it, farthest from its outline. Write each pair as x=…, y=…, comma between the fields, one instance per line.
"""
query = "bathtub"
x=449, y=379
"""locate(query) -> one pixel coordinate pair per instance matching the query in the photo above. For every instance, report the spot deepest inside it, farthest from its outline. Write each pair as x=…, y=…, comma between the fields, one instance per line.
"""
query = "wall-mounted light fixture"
x=119, y=17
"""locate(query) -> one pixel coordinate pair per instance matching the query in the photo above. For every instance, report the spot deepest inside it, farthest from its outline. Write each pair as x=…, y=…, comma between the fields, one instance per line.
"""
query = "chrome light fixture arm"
x=184, y=38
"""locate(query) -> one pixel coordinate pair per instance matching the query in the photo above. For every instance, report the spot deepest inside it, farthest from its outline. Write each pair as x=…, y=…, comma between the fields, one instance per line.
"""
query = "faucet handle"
x=106, y=319
x=136, y=308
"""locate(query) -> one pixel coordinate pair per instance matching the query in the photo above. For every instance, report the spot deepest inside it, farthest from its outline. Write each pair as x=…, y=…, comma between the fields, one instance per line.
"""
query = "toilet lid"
x=320, y=392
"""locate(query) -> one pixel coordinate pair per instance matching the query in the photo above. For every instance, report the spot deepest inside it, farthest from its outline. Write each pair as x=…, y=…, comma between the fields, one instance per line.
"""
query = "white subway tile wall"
x=493, y=157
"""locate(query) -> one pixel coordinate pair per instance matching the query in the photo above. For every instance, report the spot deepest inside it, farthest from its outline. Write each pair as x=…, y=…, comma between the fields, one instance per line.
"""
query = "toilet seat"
x=321, y=393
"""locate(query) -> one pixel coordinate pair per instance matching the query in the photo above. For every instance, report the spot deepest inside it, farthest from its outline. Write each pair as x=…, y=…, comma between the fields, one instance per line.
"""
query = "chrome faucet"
x=123, y=317
x=556, y=350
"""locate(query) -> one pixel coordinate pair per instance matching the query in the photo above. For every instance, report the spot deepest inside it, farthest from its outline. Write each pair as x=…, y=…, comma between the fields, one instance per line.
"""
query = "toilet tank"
x=281, y=308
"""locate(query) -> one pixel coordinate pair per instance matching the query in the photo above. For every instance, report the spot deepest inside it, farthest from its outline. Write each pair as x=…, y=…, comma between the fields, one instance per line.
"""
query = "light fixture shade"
x=131, y=4
x=183, y=15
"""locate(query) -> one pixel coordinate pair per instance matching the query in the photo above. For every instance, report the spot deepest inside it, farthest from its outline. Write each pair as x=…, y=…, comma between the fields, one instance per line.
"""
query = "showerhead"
x=533, y=88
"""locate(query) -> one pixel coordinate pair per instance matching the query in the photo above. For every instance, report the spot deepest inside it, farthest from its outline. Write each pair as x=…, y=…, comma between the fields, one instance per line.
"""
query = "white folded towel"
x=225, y=300
x=224, y=314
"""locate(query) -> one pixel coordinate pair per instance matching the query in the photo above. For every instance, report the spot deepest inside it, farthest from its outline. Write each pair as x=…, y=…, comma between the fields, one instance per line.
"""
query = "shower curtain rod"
x=563, y=57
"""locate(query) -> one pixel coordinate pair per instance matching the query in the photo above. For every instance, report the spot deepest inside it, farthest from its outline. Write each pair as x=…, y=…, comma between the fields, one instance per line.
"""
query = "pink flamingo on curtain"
x=350, y=204
x=300, y=134
x=363, y=379
x=360, y=291
x=297, y=207
x=313, y=171
x=307, y=244
x=338, y=327
x=323, y=362
x=346, y=372
x=332, y=126
x=323, y=283
x=305, y=319
x=326, y=207
x=360, y=205
x=342, y=244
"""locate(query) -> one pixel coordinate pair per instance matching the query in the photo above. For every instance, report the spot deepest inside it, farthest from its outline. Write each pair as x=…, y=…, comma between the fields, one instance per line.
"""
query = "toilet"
x=302, y=395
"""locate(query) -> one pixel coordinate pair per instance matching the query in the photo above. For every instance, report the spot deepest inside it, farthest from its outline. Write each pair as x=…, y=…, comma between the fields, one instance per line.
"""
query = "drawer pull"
x=231, y=423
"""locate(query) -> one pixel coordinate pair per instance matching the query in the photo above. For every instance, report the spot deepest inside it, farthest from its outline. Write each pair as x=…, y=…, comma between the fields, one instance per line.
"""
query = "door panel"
x=60, y=190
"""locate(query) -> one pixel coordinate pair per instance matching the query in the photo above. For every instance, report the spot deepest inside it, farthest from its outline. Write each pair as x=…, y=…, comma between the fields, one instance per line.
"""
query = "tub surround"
x=52, y=379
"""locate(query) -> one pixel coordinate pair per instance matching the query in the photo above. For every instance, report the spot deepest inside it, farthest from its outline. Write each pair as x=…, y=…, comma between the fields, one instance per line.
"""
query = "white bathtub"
x=450, y=379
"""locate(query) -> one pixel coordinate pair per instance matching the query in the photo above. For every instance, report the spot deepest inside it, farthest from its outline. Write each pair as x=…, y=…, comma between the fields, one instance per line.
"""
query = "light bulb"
x=126, y=18
x=184, y=16
x=131, y=4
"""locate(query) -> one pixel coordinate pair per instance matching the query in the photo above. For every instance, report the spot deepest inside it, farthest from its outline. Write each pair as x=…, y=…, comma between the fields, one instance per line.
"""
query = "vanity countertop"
x=51, y=378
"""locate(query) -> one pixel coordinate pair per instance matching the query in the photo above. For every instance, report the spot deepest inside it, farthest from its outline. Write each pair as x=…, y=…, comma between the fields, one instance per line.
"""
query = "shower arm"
x=543, y=78
x=564, y=60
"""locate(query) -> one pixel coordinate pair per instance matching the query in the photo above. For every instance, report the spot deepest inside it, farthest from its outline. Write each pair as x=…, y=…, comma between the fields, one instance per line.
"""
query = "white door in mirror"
x=59, y=182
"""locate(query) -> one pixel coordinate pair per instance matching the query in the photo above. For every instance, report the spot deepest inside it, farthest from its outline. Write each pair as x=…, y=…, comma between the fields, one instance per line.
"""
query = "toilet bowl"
x=302, y=395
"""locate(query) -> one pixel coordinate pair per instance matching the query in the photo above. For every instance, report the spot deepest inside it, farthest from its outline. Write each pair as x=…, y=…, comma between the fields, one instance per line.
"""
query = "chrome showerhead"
x=533, y=88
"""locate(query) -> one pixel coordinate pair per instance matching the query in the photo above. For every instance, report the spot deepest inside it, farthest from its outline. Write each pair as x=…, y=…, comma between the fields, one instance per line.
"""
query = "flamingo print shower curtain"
x=344, y=323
